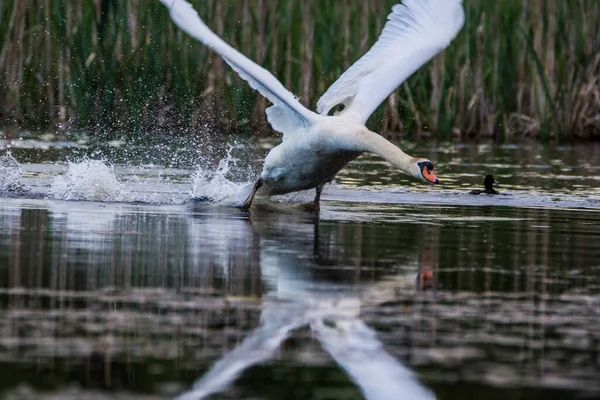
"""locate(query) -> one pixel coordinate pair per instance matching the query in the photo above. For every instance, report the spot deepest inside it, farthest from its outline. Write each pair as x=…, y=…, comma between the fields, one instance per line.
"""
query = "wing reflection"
x=126, y=290
x=295, y=299
x=354, y=346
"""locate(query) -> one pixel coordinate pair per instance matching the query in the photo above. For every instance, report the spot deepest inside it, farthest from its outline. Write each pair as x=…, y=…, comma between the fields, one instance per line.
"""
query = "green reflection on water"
x=125, y=297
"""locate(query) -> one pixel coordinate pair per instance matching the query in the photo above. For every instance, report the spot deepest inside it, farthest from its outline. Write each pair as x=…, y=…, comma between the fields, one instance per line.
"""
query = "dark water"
x=394, y=290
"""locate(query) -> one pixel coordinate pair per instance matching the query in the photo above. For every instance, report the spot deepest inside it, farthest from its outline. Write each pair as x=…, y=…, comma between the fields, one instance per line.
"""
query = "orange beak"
x=430, y=176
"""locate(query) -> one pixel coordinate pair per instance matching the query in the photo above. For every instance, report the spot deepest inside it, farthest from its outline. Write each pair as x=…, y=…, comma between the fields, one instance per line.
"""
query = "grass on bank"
x=518, y=68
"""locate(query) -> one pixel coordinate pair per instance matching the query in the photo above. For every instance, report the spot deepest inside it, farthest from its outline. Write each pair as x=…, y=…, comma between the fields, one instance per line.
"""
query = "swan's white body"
x=315, y=146
x=308, y=160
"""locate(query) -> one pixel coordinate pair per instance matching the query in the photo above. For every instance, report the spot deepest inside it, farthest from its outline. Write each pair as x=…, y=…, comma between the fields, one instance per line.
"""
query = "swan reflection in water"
x=294, y=299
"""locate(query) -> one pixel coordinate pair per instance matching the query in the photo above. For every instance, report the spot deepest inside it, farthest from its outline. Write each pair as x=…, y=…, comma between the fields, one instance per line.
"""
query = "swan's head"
x=422, y=168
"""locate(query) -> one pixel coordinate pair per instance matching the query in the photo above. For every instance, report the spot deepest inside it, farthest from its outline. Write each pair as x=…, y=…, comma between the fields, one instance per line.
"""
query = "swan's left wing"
x=416, y=31
x=287, y=114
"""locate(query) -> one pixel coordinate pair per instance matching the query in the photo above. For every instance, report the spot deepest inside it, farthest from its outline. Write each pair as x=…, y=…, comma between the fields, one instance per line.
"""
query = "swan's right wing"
x=416, y=31
x=286, y=114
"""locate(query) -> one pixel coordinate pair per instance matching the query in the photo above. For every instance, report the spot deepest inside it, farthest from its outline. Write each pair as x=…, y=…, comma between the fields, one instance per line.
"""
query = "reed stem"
x=518, y=69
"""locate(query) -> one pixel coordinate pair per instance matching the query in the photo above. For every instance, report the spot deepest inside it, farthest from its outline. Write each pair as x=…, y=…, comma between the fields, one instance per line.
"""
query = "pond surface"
x=115, y=284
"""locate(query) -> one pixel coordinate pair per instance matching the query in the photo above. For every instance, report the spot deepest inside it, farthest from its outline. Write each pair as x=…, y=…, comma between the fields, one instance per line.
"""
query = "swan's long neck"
x=374, y=143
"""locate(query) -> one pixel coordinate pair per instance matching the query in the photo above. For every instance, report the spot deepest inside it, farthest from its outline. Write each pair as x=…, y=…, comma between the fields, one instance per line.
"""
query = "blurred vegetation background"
x=518, y=69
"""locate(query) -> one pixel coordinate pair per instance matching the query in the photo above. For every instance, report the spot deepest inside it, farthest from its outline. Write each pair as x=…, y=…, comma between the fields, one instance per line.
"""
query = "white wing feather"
x=416, y=31
x=286, y=114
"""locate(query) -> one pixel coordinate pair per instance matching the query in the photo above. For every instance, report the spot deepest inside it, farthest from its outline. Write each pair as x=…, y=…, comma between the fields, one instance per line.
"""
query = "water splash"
x=90, y=180
x=227, y=184
x=10, y=175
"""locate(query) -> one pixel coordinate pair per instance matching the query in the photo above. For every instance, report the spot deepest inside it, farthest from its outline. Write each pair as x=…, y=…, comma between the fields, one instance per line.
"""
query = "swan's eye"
x=426, y=164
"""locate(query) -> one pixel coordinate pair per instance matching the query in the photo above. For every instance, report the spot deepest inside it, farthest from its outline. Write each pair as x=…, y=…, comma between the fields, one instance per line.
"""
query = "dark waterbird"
x=489, y=186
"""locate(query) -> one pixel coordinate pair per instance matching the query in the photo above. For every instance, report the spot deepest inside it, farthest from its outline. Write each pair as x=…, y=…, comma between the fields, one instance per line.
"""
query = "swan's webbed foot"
x=250, y=198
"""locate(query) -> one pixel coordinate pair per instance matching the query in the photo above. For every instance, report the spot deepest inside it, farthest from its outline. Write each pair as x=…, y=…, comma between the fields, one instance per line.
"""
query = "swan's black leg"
x=248, y=201
x=317, y=200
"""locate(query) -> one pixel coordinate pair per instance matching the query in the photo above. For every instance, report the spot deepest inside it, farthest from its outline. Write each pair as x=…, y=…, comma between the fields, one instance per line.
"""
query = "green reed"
x=517, y=69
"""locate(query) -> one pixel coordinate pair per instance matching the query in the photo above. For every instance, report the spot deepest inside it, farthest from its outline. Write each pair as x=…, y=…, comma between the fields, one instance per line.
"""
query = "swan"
x=316, y=145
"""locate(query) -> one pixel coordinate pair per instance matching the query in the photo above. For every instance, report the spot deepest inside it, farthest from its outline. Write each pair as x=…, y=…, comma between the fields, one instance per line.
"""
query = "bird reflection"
x=294, y=299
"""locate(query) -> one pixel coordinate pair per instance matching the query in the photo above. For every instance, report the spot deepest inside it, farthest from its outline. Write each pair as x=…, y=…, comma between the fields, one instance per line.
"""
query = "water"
x=113, y=283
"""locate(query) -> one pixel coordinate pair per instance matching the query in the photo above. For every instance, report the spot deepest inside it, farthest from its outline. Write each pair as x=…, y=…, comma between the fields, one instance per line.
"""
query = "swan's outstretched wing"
x=287, y=114
x=415, y=32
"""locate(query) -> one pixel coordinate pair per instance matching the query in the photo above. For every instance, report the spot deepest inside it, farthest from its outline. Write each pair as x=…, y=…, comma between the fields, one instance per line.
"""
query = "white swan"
x=316, y=147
